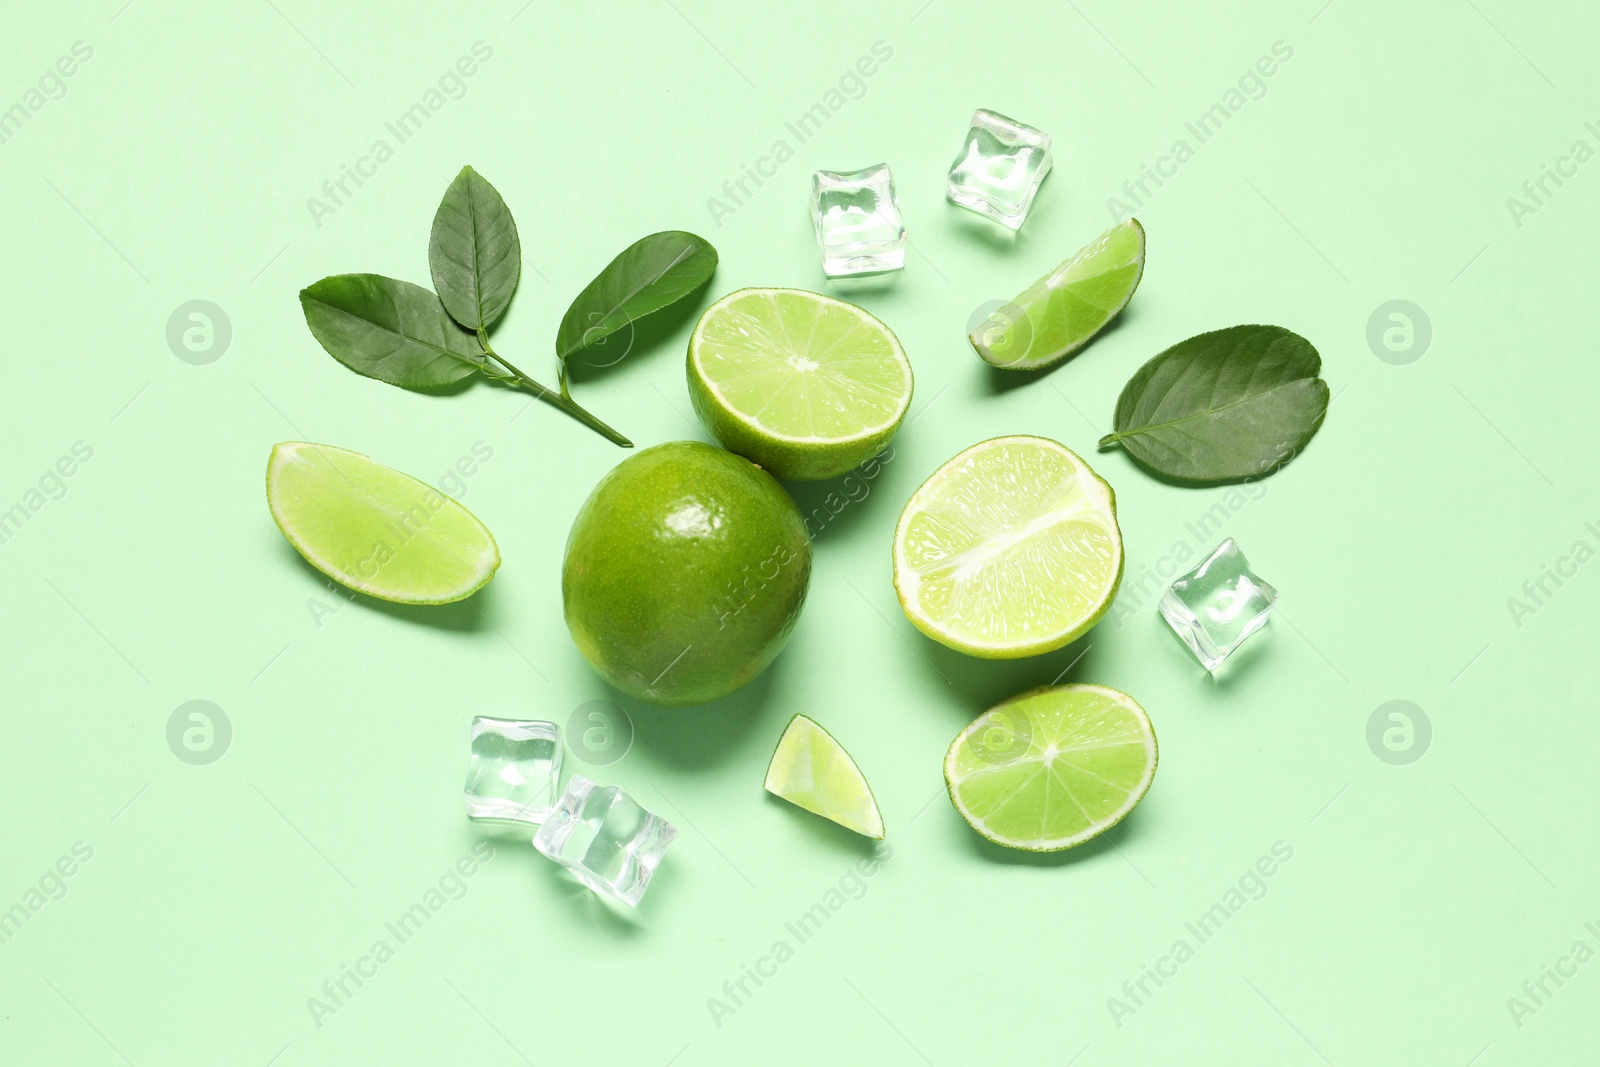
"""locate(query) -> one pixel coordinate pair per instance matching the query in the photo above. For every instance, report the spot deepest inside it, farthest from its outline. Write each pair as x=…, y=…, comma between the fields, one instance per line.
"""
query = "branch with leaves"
x=405, y=335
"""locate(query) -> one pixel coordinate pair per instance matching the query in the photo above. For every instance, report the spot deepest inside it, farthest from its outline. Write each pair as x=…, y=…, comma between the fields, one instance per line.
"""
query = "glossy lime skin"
x=684, y=574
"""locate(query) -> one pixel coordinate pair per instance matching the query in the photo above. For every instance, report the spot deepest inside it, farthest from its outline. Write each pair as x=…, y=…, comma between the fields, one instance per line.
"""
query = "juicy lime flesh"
x=1012, y=548
x=806, y=385
x=802, y=365
x=813, y=771
x=374, y=529
x=1052, y=768
x=1062, y=311
x=685, y=572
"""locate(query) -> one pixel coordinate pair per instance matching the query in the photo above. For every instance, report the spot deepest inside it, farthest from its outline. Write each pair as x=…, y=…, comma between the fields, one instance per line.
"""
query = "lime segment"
x=803, y=384
x=376, y=530
x=1010, y=549
x=1062, y=312
x=1053, y=767
x=812, y=770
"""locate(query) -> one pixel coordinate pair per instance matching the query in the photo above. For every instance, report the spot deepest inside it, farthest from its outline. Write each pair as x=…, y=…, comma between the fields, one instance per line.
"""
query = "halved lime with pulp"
x=1052, y=767
x=376, y=530
x=1061, y=312
x=1010, y=549
x=803, y=384
x=812, y=770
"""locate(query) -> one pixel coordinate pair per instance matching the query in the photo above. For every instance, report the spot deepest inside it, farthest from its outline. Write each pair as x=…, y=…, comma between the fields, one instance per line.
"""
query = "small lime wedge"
x=376, y=530
x=812, y=770
x=1052, y=767
x=804, y=385
x=1010, y=549
x=1062, y=312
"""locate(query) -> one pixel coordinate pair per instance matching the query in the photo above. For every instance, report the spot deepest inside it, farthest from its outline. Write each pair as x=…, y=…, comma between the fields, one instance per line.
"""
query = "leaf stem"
x=550, y=396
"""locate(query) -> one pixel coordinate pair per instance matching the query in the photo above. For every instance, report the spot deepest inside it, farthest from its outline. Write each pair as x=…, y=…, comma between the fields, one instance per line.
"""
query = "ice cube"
x=605, y=838
x=999, y=169
x=858, y=224
x=515, y=769
x=1217, y=605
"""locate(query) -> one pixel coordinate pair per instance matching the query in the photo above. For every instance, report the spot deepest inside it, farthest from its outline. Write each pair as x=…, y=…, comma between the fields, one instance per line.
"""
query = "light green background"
x=1376, y=166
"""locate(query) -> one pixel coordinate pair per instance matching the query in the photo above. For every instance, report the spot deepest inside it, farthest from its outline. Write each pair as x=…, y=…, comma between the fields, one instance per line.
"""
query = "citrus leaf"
x=1221, y=406
x=473, y=252
x=650, y=274
x=390, y=330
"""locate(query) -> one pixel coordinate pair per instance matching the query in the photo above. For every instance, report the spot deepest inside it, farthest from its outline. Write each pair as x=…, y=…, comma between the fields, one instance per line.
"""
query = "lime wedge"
x=376, y=530
x=1052, y=767
x=1061, y=312
x=812, y=770
x=804, y=385
x=1010, y=549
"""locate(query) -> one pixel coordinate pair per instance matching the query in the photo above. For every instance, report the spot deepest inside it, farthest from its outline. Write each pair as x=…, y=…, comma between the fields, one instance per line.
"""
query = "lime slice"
x=1052, y=767
x=1010, y=549
x=814, y=771
x=803, y=384
x=1061, y=312
x=376, y=530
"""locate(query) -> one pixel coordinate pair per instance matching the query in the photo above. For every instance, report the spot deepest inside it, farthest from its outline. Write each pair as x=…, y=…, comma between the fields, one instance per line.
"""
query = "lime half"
x=376, y=530
x=1052, y=767
x=812, y=770
x=1061, y=312
x=1010, y=549
x=803, y=384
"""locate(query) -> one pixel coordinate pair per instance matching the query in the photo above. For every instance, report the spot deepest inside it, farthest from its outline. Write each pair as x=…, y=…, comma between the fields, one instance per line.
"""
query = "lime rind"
x=806, y=385
x=1010, y=549
x=1064, y=310
x=813, y=771
x=376, y=530
x=1052, y=767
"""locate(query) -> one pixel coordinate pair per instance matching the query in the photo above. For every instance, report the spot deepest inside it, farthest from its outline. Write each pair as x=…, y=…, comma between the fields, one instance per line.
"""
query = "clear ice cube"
x=605, y=838
x=1216, y=606
x=999, y=169
x=858, y=224
x=515, y=769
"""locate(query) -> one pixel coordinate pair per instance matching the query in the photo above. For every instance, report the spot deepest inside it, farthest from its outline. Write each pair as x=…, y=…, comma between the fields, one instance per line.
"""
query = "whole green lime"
x=685, y=572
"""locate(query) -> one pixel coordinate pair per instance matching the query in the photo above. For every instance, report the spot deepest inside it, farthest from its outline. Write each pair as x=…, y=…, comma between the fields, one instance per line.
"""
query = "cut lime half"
x=1062, y=312
x=803, y=384
x=812, y=770
x=1052, y=767
x=1010, y=549
x=376, y=530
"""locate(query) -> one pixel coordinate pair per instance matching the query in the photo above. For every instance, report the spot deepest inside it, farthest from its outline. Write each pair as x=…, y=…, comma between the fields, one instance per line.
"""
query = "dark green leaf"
x=473, y=252
x=649, y=275
x=1223, y=405
x=390, y=330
